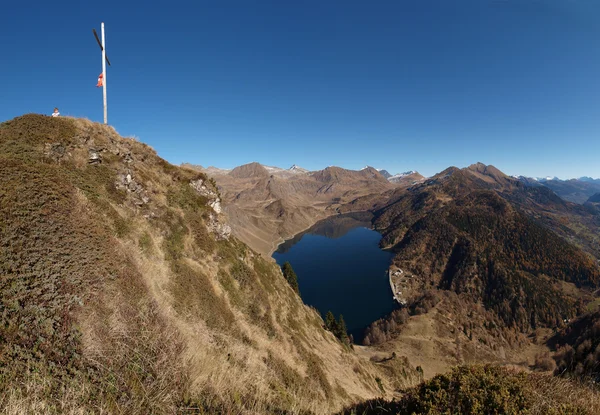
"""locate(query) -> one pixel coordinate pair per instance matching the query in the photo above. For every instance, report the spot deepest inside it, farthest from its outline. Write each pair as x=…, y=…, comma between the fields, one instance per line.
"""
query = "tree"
x=290, y=276
x=338, y=328
x=330, y=323
x=342, y=331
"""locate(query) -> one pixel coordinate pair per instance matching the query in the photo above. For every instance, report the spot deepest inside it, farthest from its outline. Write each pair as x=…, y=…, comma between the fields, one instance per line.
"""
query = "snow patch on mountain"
x=400, y=175
x=297, y=169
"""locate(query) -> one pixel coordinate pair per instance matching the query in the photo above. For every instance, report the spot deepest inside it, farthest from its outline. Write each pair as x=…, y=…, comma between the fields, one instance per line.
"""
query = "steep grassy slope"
x=123, y=292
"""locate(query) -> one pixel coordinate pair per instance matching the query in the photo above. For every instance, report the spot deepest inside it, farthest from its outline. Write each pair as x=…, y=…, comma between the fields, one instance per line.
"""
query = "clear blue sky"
x=393, y=84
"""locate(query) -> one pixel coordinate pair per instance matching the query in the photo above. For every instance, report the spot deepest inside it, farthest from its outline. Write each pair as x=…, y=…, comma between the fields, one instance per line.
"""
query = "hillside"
x=123, y=290
x=483, y=390
x=578, y=347
x=483, y=269
x=594, y=198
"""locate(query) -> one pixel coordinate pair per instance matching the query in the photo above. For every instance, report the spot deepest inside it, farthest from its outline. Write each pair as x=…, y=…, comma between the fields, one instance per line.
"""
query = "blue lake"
x=341, y=268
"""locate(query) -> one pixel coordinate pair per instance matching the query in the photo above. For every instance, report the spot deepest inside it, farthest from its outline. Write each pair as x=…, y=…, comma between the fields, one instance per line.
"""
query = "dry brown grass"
x=555, y=395
x=115, y=306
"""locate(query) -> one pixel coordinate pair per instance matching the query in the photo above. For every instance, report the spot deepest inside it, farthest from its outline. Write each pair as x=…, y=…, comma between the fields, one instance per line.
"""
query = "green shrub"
x=145, y=243
x=122, y=226
x=185, y=197
x=290, y=276
x=196, y=298
x=466, y=390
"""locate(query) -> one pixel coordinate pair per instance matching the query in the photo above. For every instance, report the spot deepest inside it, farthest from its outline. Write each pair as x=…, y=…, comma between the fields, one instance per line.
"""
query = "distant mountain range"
x=594, y=199
x=384, y=173
x=574, y=190
x=402, y=177
x=593, y=203
x=577, y=190
x=408, y=176
x=411, y=176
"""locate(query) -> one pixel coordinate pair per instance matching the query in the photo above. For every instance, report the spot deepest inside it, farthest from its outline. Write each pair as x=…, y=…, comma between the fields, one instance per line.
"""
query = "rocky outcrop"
x=215, y=223
x=127, y=182
x=94, y=156
x=214, y=200
x=221, y=230
x=55, y=151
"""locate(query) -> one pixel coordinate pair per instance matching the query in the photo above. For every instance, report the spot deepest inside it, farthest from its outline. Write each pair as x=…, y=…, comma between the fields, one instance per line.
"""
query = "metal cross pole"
x=104, y=75
x=104, y=62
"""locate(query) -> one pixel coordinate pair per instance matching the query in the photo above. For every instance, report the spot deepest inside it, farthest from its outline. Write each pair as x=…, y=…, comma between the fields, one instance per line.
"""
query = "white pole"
x=104, y=75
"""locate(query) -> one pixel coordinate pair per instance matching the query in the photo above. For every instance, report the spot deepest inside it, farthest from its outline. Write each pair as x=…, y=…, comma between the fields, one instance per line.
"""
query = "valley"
x=487, y=266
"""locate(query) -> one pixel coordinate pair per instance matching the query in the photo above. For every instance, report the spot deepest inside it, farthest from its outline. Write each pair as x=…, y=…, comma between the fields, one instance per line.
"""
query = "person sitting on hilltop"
x=56, y=113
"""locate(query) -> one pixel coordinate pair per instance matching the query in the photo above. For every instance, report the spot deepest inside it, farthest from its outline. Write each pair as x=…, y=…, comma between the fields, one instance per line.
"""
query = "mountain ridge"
x=476, y=239
x=572, y=190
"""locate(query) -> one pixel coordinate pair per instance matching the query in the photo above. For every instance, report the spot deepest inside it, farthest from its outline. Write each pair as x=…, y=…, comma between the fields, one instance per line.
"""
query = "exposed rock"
x=127, y=182
x=221, y=230
x=94, y=156
x=83, y=137
x=216, y=206
x=55, y=151
x=214, y=201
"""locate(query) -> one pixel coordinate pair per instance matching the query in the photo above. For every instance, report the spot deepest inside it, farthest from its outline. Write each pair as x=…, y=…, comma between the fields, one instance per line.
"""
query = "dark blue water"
x=341, y=268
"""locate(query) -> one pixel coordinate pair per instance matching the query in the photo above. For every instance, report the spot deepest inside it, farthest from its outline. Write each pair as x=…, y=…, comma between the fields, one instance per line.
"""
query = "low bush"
x=483, y=390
